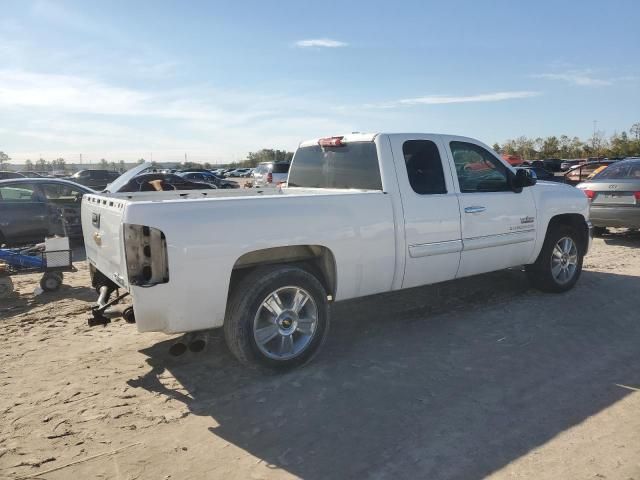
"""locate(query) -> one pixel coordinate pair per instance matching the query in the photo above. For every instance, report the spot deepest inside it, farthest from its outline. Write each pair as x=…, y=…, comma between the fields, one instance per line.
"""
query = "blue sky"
x=124, y=80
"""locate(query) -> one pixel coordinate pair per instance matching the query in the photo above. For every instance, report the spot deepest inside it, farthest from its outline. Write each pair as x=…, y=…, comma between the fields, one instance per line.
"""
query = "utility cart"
x=52, y=258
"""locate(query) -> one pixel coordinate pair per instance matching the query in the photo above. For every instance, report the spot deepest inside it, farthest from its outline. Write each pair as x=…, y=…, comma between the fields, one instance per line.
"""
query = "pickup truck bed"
x=209, y=236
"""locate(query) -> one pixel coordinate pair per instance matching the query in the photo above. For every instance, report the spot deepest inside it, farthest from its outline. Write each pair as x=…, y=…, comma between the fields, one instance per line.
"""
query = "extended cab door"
x=498, y=224
x=431, y=211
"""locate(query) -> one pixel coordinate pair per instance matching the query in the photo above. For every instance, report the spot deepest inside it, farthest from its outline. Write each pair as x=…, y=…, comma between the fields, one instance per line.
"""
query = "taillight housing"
x=145, y=250
x=590, y=194
x=637, y=195
x=269, y=177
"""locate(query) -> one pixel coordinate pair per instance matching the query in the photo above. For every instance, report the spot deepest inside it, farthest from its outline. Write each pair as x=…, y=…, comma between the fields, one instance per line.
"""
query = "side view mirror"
x=524, y=178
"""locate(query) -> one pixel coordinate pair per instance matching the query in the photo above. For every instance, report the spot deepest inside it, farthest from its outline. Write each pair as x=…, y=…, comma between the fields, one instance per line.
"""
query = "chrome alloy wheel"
x=564, y=260
x=285, y=323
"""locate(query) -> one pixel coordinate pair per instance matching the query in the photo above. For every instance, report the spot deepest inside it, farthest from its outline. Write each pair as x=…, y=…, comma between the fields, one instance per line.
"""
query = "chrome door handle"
x=474, y=209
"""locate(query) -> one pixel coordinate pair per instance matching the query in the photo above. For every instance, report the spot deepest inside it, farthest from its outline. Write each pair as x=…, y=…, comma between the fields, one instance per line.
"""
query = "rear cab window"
x=349, y=166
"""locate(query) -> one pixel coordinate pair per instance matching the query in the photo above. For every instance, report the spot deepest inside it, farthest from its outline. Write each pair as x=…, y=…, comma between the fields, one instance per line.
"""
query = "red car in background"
x=514, y=160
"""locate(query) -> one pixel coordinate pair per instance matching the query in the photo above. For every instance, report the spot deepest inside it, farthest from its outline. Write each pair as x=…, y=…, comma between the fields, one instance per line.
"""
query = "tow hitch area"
x=97, y=311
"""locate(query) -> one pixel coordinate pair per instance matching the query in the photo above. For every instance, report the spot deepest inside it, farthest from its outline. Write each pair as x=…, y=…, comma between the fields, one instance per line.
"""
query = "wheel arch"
x=317, y=259
x=574, y=220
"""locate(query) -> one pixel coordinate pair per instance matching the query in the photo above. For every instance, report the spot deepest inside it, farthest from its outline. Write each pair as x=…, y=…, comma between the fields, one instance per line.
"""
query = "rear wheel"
x=559, y=264
x=128, y=315
x=278, y=318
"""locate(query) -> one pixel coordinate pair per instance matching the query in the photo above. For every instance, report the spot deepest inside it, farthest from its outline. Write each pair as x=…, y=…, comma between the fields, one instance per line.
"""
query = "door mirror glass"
x=524, y=178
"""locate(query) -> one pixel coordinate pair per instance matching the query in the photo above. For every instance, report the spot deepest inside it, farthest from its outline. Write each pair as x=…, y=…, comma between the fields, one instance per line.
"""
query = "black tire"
x=6, y=287
x=245, y=302
x=51, y=281
x=599, y=231
x=128, y=315
x=540, y=273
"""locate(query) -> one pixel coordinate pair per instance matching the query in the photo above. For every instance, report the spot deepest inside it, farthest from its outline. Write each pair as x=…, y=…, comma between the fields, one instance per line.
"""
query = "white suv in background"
x=270, y=174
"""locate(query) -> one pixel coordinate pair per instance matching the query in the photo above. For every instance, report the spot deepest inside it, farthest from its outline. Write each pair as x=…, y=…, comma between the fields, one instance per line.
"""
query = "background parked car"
x=514, y=160
x=614, y=195
x=552, y=164
x=28, y=174
x=5, y=174
x=95, y=179
x=208, y=177
x=579, y=173
x=567, y=164
x=268, y=174
x=243, y=172
x=33, y=208
x=150, y=182
x=542, y=174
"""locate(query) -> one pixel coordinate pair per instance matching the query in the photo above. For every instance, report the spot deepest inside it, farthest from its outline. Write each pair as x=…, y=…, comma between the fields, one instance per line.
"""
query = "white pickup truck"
x=361, y=214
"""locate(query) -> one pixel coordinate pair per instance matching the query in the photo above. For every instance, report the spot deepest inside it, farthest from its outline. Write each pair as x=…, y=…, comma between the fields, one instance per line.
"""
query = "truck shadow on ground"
x=623, y=238
x=449, y=381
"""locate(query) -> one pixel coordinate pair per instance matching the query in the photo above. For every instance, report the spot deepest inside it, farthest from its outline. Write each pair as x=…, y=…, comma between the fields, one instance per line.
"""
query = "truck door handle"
x=474, y=209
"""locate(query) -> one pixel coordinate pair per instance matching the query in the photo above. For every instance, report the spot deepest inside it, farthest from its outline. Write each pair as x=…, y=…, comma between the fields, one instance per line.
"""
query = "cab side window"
x=424, y=167
x=478, y=170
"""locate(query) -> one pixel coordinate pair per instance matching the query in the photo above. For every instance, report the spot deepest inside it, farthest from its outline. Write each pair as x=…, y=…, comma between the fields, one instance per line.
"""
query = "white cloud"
x=61, y=115
x=447, y=99
x=65, y=92
x=321, y=42
x=75, y=94
x=582, y=78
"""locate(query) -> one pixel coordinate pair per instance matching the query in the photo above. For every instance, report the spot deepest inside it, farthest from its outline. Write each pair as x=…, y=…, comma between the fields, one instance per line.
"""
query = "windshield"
x=353, y=165
x=621, y=170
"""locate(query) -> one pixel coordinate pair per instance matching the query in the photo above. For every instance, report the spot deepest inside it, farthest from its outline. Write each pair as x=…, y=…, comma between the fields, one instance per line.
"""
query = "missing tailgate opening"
x=146, y=255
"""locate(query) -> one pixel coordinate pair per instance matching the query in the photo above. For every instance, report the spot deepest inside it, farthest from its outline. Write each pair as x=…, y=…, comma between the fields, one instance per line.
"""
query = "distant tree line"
x=264, y=155
x=617, y=145
x=58, y=165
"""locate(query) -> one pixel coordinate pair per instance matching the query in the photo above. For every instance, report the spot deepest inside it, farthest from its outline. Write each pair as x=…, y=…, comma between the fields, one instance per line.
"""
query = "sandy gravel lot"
x=469, y=379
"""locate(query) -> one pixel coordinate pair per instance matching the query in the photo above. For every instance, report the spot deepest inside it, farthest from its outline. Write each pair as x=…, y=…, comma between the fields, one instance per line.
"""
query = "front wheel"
x=278, y=318
x=559, y=264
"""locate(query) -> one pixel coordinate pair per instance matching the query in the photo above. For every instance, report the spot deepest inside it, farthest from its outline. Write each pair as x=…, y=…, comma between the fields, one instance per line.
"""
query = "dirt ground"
x=483, y=377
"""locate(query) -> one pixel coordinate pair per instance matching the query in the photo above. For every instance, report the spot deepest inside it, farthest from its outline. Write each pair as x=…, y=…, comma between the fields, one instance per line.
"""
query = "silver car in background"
x=614, y=195
x=270, y=174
